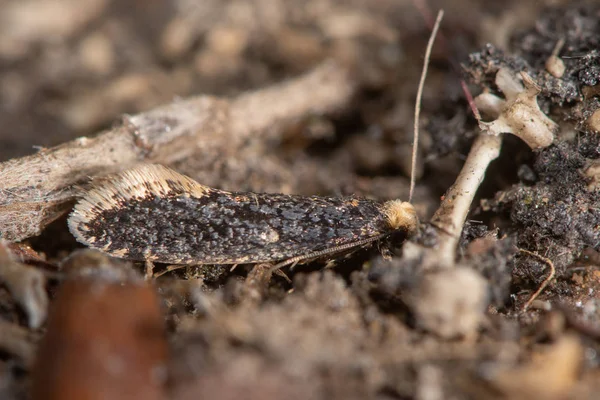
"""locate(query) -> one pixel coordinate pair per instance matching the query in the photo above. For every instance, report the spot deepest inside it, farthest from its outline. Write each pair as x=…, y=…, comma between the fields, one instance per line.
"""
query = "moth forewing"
x=154, y=213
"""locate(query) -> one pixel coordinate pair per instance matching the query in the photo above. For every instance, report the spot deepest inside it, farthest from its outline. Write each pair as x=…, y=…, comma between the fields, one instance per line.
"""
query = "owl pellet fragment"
x=154, y=213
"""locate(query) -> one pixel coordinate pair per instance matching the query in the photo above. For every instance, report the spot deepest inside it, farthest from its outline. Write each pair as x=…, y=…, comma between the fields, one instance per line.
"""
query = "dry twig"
x=37, y=189
x=519, y=115
x=452, y=213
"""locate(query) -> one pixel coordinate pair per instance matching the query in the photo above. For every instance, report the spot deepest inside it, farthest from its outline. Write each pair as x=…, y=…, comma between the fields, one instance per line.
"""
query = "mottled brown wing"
x=153, y=213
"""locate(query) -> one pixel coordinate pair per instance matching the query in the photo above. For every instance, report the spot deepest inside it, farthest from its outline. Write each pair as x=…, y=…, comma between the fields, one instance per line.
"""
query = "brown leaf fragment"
x=88, y=263
x=105, y=340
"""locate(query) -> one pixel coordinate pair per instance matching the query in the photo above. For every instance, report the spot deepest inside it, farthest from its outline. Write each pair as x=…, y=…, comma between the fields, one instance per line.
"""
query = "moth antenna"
x=413, y=167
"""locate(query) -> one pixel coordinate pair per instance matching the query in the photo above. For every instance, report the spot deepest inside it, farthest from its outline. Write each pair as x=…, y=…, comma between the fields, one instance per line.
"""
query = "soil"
x=375, y=323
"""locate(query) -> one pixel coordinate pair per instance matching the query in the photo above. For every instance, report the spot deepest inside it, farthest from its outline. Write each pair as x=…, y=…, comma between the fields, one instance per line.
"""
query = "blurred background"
x=70, y=68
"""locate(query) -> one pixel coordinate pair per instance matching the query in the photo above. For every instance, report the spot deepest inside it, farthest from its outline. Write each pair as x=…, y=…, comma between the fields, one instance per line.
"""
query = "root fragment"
x=546, y=281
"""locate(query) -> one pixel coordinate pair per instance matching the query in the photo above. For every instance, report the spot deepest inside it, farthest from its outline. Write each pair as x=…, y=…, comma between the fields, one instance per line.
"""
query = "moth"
x=152, y=213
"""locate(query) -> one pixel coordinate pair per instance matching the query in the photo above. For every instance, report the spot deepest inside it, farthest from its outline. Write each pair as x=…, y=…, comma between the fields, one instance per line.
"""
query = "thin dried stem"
x=470, y=100
x=436, y=26
x=546, y=281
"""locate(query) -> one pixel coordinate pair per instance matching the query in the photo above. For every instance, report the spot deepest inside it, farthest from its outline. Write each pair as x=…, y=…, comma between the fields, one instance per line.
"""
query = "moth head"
x=401, y=215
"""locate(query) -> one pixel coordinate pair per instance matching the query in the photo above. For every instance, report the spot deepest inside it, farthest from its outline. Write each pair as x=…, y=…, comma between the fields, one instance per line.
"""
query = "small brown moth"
x=154, y=213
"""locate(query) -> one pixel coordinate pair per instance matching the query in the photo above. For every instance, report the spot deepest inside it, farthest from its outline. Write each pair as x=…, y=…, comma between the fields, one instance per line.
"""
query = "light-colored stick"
x=37, y=189
x=452, y=213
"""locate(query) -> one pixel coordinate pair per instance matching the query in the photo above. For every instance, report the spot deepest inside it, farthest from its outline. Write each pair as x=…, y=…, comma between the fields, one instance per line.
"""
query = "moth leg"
x=233, y=267
x=149, y=273
x=169, y=269
x=256, y=285
x=294, y=264
x=282, y=274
